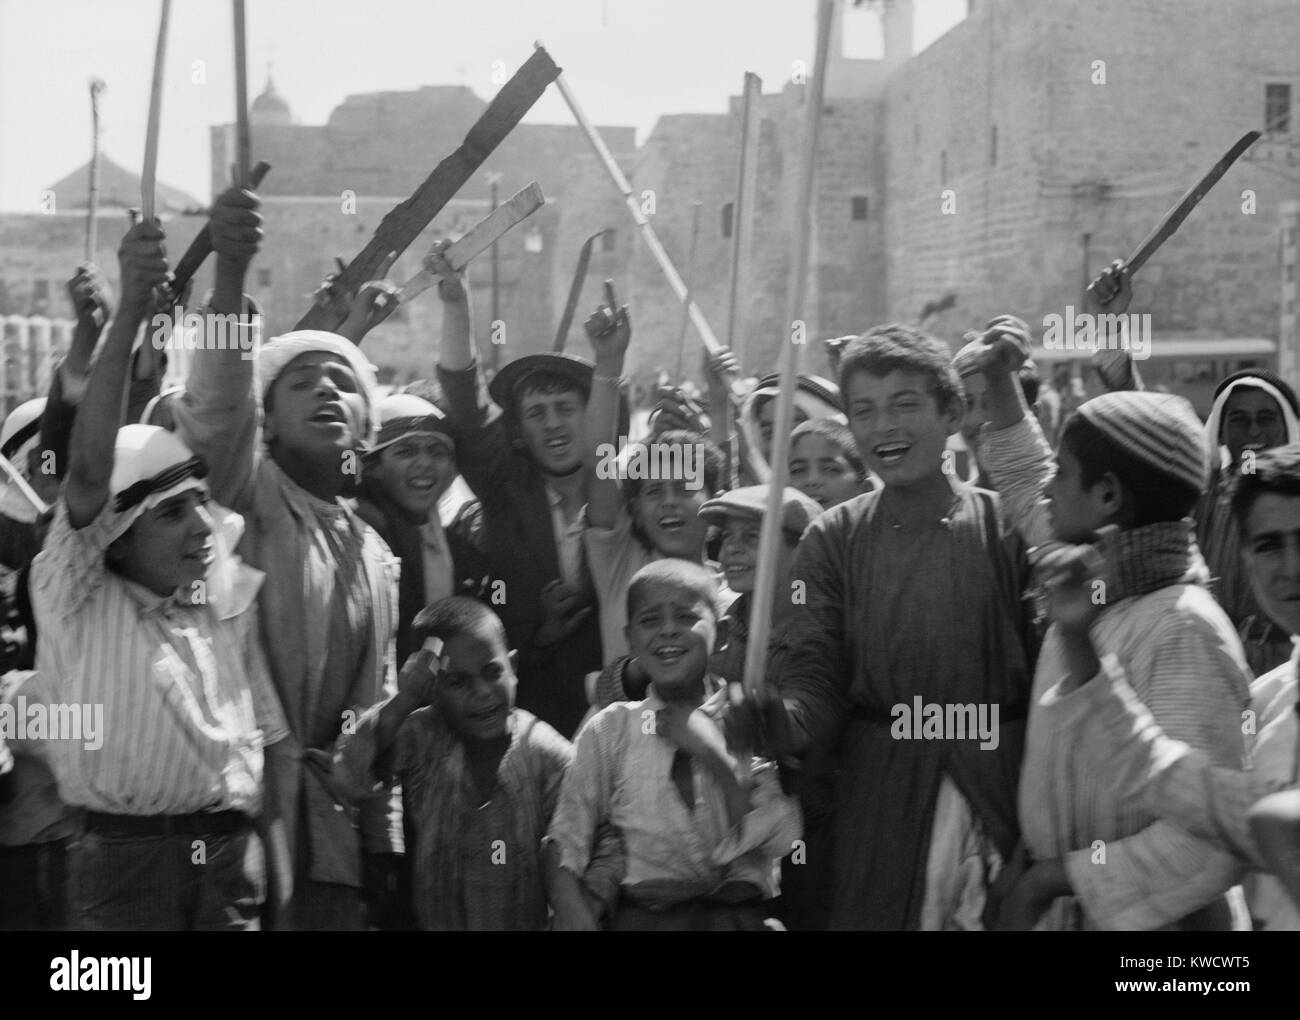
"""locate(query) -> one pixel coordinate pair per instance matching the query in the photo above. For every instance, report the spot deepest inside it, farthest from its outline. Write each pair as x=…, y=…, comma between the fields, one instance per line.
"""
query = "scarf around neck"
x=1146, y=559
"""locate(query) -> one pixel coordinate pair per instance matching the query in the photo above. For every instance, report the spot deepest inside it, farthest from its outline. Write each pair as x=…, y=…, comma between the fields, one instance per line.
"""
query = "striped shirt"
x=476, y=859
x=1184, y=661
x=186, y=698
x=622, y=774
x=1182, y=785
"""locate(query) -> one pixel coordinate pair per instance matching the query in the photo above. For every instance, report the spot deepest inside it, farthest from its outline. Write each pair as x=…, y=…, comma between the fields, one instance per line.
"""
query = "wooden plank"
x=404, y=222
x=480, y=238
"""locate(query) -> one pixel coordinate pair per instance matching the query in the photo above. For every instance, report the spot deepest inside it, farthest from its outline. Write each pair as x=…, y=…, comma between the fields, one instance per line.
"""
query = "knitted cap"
x=1158, y=429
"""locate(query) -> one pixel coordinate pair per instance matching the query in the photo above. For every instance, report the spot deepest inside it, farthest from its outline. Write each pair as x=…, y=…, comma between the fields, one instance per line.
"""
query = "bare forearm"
x=603, y=493
x=228, y=295
x=1006, y=400
x=457, y=350
x=94, y=432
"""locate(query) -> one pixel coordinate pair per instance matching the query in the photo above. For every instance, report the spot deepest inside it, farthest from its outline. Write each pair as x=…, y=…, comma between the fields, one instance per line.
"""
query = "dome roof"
x=270, y=107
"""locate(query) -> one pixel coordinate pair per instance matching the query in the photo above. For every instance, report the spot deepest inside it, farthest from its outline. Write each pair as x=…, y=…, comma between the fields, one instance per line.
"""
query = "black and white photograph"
x=690, y=466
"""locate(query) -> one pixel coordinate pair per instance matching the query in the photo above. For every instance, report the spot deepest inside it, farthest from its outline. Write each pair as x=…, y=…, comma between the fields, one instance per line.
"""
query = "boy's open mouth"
x=558, y=445
x=891, y=453
x=672, y=523
x=330, y=414
x=421, y=484
x=669, y=654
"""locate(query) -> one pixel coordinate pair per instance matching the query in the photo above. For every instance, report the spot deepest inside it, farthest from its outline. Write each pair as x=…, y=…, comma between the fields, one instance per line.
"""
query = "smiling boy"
x=143, y=611
x=521, y=451
x=912, y=590
x=701, y=835
x=479, y=777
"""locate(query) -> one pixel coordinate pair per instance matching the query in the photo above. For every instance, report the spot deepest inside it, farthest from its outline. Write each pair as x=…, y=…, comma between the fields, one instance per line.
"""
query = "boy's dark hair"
x=1277, y=471
x=837, y=434
x=1155, y=497
x=448, y=617
x=547, y=384
x=898, y=348
x=679, y=437
x=693, y=577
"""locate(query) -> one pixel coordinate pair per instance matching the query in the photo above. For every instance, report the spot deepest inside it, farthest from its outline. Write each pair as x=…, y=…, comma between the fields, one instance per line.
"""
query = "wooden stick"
x=243, y=144
x=1173, y=219
x=742, y=209
x=575, y=293
x=407, y=220
x=760, y=620
x=92, y=203
x=480, y=238
x=201, y=247
x=690, y=283
x=674, y=278
x=147, y=173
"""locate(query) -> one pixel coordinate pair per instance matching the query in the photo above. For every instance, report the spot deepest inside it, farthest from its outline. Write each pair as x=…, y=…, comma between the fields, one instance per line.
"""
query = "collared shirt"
x=187, y=703
x=622, y=774
x=568, y=537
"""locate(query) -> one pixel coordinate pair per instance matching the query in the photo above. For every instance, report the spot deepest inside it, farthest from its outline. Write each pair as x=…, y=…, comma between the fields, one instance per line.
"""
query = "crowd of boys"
x=1027, y=668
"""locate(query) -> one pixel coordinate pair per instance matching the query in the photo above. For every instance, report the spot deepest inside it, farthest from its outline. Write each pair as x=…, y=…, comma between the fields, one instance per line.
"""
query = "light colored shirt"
x=1182, y=785
x=187, y=703
x=1129, y=868
x=1020, y=466
x=568, y=538
x=622, y=774
x=614, y=555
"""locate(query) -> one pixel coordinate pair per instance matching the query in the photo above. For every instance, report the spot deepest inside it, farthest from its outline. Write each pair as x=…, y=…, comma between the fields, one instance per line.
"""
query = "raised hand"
x=419, y=676
x=1111, y=292
x=142, y=263
x=609, y=328
x=236, y=227
x=374, y=302
x=91, y=297
x=451, y=285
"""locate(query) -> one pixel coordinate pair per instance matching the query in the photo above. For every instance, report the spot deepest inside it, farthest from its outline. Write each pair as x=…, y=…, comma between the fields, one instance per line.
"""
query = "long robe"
x=897, y=610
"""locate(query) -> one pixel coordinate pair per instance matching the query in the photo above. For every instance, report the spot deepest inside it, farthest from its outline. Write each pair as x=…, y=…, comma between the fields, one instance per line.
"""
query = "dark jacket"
x=520, y=542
